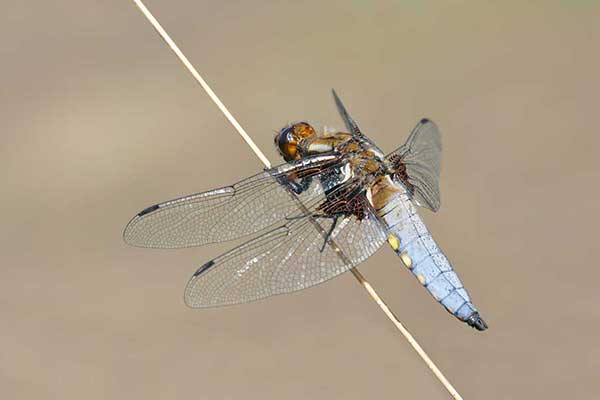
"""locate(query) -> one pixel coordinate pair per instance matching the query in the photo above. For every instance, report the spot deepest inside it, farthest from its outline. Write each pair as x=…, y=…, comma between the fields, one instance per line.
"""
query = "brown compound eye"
x=290, y=151
x=303, y=130
x=288, y=138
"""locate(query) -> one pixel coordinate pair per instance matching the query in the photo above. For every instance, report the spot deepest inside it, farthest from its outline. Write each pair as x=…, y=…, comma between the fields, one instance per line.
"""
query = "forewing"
x=226, y=213
x=420, y=159
x=348, y=121
x=286, y=259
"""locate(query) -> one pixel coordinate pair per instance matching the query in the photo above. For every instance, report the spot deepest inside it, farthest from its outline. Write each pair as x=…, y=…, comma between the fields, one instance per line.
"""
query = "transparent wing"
x=229, y=212
x=348, y=121
x=286, y=259
x=417, y=162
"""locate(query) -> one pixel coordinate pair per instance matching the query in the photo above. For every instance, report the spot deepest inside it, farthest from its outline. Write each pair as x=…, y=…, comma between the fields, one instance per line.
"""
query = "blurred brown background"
x=98, y=120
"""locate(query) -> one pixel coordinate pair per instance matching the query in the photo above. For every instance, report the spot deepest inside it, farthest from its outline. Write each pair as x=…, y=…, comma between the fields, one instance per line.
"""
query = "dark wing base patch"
x=417, y=164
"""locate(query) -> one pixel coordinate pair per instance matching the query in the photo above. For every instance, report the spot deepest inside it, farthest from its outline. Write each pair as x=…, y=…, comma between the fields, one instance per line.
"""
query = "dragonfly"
x=334, y=202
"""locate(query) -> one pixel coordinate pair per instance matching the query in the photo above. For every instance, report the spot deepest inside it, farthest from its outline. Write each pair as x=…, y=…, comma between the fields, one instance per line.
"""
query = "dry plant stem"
x=359, y=277
x=413, y=342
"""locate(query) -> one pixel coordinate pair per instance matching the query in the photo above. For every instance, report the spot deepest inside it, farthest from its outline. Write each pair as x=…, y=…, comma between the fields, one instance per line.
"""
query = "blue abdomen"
x=411, y=240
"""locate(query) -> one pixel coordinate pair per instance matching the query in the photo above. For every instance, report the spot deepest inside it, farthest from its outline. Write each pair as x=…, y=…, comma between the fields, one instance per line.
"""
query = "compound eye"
x=286, y=143
x=290, y=151
x=303, y=130
x=288, y=139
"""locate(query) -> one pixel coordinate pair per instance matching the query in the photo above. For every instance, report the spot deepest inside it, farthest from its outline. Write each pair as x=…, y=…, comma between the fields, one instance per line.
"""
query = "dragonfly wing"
x=419, y=159
x=226, y=213
x=348, y=121
x=285, y=259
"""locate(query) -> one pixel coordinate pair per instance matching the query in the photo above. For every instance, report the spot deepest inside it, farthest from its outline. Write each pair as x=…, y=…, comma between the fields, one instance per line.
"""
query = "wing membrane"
x=226, y=213
x=421, y=156
x=351, y=125
x=283, y=260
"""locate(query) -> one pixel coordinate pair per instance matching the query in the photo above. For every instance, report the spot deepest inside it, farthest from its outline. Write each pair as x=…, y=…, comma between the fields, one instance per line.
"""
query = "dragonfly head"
x=288, y=139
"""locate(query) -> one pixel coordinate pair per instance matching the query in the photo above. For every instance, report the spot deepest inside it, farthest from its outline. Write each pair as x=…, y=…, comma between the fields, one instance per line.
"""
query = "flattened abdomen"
x=411, y=240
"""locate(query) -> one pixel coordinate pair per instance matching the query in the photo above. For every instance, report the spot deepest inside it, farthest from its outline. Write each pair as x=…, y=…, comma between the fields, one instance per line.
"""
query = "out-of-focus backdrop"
x=99, y=120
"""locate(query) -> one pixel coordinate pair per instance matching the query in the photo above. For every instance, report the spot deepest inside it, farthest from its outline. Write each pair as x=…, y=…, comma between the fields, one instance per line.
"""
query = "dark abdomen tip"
x=477, y=322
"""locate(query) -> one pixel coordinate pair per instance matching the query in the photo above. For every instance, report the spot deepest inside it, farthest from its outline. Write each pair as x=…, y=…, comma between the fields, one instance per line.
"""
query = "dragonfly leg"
x=296, y=187
x=335, y=218
x=330, y=231
x=307, y=215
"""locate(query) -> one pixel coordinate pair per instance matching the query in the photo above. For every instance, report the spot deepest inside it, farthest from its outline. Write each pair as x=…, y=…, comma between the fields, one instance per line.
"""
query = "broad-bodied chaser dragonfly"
x=330, y=206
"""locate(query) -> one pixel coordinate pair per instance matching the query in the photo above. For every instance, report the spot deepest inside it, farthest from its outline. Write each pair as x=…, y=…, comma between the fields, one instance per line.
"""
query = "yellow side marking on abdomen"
x=393, y=241
x=406, y=260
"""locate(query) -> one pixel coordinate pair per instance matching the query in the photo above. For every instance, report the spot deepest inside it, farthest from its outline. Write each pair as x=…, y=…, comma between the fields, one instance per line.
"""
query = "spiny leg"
x=316, y=216
x=331, y=228
x=296, y=187
x=308, y=214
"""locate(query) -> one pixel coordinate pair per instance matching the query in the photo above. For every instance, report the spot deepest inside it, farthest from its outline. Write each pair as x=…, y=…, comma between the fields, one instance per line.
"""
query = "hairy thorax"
x=363, y=178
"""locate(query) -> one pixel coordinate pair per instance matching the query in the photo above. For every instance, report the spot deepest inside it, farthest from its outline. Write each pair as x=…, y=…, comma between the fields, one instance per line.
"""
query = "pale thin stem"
x=359, y=277
x=413, y=342
x=163, y=34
